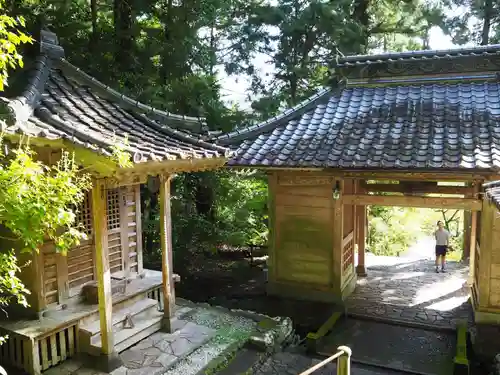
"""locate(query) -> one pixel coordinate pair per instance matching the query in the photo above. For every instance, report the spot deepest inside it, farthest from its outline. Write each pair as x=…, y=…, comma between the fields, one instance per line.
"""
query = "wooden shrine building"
x=421, y=127
x=81, y=303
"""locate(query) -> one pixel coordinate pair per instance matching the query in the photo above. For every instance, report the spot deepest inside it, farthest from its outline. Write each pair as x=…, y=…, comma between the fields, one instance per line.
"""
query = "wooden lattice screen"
x=113, y=209
x=84, y=215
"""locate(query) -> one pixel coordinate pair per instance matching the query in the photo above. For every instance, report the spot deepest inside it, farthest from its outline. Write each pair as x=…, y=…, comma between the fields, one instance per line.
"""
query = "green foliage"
x=242, y=208
x=10, y=39
x=36, y=205
x=392, y=229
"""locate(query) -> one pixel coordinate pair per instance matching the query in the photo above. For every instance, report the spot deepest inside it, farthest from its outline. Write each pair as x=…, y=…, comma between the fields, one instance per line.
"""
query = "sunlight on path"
x=407, y=288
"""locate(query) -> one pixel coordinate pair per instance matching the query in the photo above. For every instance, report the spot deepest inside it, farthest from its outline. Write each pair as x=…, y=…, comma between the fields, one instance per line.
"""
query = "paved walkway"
x=208, y=334
x=293, y=364
x=391, y=346
x=409, y=290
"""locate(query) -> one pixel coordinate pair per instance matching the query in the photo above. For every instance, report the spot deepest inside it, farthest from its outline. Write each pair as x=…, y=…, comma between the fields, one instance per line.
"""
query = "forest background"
x=177, y=54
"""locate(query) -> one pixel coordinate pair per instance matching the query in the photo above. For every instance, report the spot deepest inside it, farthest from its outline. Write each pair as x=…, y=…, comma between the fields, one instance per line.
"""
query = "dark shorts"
x=441, y=250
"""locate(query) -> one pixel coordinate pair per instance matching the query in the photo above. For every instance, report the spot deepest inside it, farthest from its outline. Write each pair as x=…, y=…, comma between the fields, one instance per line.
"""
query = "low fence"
x=343, y=357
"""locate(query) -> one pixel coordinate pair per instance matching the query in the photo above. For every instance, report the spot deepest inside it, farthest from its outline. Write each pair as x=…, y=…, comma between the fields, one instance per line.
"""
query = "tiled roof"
x=492, y=191
x=406, y=122
x=62, y=102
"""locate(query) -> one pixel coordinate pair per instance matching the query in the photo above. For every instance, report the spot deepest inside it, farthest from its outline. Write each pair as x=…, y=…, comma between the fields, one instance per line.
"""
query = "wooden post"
x=361, y=237
x=338, y=238
x=138, y=229
x=122, y=197
x=344, y=361
x=272, y=227
x=473, y=238
x=166, y=249
x=110, y=359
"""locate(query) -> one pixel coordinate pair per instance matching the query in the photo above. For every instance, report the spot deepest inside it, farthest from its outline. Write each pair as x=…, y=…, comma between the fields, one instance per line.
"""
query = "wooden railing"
x=343, y=363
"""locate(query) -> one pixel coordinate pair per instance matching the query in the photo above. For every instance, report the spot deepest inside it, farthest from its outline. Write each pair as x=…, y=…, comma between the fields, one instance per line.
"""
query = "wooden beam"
x=103, y=276
x=424, y=202
x=166, y=250
x=414, y=187
x=384, y=174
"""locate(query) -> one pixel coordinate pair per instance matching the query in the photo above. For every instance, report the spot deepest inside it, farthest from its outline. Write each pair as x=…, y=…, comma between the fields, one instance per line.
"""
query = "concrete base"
x=310, y=293
x=104, y=362
x=301, y=292
x=361, y=270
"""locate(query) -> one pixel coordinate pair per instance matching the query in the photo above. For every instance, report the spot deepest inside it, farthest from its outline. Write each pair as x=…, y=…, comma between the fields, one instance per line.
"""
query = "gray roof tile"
x=62, y=102
x=427, y=125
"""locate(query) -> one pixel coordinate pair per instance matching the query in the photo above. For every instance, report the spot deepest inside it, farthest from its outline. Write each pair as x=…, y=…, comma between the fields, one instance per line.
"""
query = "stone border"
x=461, y=361
x=313, y=338
x=400, y=322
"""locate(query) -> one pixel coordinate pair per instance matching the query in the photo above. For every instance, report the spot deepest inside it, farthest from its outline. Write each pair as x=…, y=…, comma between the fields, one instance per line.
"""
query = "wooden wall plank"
x=62, y=278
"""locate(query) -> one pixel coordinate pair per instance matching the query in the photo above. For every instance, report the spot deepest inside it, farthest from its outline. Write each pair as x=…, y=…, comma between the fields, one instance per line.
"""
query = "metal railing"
x=343, y=363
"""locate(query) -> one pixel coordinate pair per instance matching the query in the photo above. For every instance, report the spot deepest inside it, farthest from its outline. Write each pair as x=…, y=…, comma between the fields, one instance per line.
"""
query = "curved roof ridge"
x=23, y=105
x=72, y=71
x=183, y=136
x=271, y=123
x=492, y=49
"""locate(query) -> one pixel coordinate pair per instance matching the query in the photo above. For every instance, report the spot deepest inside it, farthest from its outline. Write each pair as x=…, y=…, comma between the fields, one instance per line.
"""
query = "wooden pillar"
x=272, y=184
x=361, y=236
x=472, y=238
x=338, y=238
x=166, y=249
x=110, y=359
x=122, y=197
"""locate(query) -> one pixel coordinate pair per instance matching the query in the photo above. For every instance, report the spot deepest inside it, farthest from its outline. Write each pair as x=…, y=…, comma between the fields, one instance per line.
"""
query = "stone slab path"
x=395, y=347
x=409, y=290
x=207, y=334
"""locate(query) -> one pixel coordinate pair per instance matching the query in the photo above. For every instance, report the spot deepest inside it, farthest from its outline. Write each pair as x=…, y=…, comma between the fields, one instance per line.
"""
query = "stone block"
x=271, y=333
x=90, y=290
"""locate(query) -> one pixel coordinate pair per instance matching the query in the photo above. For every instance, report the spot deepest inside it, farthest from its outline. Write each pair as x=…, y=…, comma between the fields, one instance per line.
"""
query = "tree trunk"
x=360, y=14
x=488, y=10
x=123, y=21
x=94, y=36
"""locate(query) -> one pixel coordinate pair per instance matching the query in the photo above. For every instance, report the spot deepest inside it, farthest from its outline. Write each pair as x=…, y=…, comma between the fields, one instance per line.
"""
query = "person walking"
x=442, y=241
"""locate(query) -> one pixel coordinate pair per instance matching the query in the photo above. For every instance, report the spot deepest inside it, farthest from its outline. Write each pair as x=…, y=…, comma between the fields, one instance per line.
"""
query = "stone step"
x=127, y=337
x=142, y=310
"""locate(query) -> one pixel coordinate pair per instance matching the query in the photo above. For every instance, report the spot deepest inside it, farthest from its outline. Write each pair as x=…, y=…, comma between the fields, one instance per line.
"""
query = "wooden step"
x=119, y=316
x=127, y=337
x=141, y=311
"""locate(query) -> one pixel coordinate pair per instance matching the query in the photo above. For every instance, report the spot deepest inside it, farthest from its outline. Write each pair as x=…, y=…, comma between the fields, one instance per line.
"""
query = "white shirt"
x=442, y=237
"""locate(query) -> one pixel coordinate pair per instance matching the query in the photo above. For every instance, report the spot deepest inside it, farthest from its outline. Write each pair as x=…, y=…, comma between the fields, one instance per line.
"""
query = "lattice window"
x=84, y=216
x=113, y=209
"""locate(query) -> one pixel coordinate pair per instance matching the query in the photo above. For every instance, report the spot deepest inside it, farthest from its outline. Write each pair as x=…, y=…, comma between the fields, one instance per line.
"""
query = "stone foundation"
x=485, y=341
